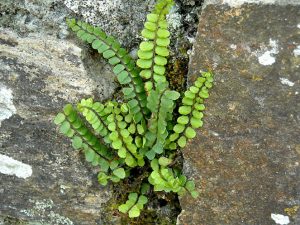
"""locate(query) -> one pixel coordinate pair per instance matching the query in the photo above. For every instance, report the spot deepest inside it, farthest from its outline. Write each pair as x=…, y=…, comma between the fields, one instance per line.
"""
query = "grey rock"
x=35, y=16
x=38, y=74
x=119, y=18
x=245, y=160
x=40, y=71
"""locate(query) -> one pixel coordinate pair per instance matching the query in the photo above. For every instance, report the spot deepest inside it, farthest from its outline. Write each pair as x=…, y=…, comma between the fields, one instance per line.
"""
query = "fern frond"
x=153, y=52
x=191, y=111
x=93, y=113
x=133, y=205
x=168, y=180
x=161, y=102
x=123, y=65
x=122, y=140
x=71, y=125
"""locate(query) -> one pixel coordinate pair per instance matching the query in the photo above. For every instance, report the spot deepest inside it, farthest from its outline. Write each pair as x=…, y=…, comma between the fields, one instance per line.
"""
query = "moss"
x=177, y=74
x=292, y=211
x=8, y=220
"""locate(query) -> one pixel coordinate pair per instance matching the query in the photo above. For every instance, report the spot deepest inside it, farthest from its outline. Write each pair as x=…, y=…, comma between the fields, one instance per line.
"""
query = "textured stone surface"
x=113, y=16
x=237, y=3
x=246, y=158
x=42, y=73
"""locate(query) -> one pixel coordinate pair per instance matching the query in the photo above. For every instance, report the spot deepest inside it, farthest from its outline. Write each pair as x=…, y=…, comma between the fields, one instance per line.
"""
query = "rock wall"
x=245, y=160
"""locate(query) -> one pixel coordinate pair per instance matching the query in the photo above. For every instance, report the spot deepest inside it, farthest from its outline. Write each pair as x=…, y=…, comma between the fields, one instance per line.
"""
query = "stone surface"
x=245, y=160
x=237, y=3
x=43, y=180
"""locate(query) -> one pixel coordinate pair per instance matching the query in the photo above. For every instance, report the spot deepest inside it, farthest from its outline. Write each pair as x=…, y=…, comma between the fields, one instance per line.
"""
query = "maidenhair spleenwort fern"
x=141, y=132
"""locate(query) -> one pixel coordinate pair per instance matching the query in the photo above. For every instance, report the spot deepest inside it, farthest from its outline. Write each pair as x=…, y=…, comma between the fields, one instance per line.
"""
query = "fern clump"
x=141, y=132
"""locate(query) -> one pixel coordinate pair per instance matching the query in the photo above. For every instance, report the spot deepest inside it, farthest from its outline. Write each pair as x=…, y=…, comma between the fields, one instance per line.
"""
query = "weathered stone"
x=245, y=160
x=113, y=16
x=38, y=74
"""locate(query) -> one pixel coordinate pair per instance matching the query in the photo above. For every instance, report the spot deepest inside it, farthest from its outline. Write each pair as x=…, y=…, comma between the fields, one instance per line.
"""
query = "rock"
x=120, y=18
x=245, y=160
x=42, y=179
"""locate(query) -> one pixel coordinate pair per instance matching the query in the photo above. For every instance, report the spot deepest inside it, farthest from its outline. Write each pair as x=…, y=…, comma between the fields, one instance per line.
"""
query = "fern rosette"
x=141, y=132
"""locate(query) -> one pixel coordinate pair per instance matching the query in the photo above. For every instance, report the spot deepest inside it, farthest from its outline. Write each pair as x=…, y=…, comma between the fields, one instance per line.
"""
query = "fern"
x=191, y=111
x=167, y=179
x=140, y=132
x=161, y=103
x=153, y=52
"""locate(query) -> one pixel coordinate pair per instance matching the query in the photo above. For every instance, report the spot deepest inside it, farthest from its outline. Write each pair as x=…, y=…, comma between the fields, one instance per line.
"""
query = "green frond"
x=153, y=52
x=123, y=65
x=71, y=124
x=191, y=111
x=168, y=180
x=133, y=205
x=122, y=134
x=94, y=114
x=161, y=103
x=164, y=178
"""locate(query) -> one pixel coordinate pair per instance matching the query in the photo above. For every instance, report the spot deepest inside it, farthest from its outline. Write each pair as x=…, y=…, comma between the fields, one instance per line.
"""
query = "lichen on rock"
x=7, y=108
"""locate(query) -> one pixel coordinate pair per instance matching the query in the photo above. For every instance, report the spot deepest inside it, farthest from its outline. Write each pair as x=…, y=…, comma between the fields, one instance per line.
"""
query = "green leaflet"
x=120, y=172
x=190, y=133
x=159, y=60
x=146, y=46
x=153, y=18
x=103, y=178
x=163, y=161
x=144, y=55
x=89, y=155
x=183, y=120
x=182, y=141
x=60, y=117
x=77, y=142
x=162, y=51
